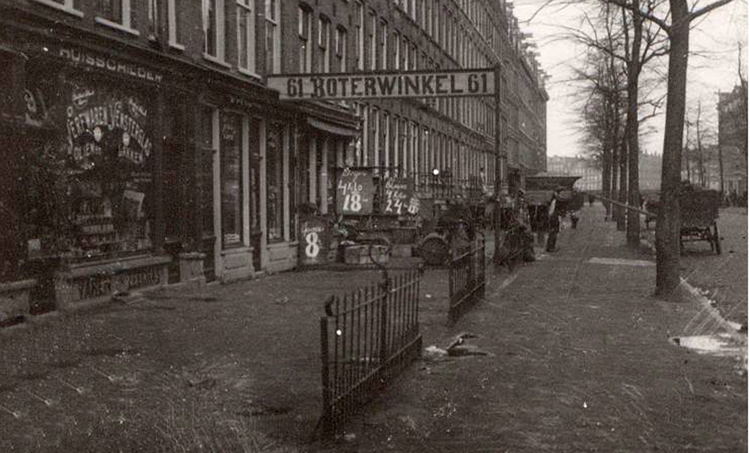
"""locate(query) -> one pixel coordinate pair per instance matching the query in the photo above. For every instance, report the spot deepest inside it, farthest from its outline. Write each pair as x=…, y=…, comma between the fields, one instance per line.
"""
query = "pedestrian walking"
x=553, y=224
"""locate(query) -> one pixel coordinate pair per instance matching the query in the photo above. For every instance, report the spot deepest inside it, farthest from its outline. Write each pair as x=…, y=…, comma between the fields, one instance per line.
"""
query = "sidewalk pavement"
x=579, y=358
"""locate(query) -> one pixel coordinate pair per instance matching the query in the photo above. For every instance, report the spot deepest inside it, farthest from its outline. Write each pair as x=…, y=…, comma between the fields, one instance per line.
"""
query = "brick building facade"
x=140, y=136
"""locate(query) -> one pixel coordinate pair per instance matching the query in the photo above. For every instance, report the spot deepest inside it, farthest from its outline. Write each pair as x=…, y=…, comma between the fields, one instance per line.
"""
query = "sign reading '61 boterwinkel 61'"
x=480, y=82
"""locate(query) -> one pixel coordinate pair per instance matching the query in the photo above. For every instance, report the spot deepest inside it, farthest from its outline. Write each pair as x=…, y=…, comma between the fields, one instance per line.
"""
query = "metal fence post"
x=324, y=373
x=384, y=288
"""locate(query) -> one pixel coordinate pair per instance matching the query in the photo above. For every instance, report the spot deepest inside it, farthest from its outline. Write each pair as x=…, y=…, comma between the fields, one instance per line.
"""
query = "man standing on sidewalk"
x=554, y=220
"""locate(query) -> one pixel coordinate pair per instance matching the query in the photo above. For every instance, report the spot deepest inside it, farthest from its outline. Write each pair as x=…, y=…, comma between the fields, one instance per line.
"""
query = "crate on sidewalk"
x=360, y=254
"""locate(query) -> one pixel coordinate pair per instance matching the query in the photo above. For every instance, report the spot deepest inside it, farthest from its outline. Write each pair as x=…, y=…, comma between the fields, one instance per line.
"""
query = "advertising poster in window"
x=354, y=192
x=90, y=181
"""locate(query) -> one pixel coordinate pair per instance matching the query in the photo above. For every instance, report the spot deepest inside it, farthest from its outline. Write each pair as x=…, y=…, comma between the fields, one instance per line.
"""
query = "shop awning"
x=332, y=128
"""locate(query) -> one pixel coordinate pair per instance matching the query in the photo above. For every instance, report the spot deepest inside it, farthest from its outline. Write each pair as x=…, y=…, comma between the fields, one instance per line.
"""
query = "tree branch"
x=645, y=14
x=699, y=12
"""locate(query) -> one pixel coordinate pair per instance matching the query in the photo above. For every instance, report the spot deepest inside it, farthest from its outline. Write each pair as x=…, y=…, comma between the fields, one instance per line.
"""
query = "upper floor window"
x=359, y=35
x=69, y=6
x=324, y=36
x=383, y=44
x=372, y=40
x=273, y=37
x=396, y=50
x=341, y=46
x=116, y=14
x=246, y=35
x=174, y=22
x=213, y=30
x=303, y=31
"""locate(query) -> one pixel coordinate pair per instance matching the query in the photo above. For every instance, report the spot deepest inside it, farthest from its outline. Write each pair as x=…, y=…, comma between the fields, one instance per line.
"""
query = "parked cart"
x=699, y=211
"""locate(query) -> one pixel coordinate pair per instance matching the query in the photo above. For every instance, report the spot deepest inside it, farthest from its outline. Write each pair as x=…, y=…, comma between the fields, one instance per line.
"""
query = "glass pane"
x=275, y=188
x=231, y=179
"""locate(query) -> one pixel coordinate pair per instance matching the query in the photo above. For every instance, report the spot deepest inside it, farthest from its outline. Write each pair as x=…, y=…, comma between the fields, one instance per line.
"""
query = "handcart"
x=699, y=212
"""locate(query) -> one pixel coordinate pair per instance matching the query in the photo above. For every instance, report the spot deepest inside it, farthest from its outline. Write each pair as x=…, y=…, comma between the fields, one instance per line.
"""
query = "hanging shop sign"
x=400, y=198
x=354, y=192
x=478, y=82
x=315, y=241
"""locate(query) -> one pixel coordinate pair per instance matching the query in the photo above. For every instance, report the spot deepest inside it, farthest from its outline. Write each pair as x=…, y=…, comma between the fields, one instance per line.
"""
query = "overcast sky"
x=713, y=66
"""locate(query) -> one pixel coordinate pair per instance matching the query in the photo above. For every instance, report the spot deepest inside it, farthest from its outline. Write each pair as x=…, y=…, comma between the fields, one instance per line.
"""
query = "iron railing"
x=467, y=279
x=366, y=338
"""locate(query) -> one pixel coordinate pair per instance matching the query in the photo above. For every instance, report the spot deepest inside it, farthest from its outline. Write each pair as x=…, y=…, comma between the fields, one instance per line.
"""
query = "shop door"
x=206, y=206
x=173, y=183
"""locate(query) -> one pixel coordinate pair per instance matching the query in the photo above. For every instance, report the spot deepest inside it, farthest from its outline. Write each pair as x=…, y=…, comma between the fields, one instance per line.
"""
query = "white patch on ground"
x=722, y=345
x=621, y=262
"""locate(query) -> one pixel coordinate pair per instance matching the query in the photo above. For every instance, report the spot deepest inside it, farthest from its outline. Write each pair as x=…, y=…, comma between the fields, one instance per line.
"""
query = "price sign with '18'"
x=354, y=192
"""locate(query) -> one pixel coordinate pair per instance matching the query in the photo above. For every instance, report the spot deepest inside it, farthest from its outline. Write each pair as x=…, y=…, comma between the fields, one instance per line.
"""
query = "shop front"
x=88, y=211
x=247, y=188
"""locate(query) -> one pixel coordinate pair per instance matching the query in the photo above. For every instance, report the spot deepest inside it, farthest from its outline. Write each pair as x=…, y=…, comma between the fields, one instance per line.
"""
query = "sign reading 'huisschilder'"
x=384, y=85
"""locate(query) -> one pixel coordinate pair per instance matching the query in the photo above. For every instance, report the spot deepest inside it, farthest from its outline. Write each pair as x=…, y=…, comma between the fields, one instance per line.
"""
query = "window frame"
x=304, y=31
x=272, y=27
x=68, y=6
x=250, y=39
x=324, y=42
x=219, y=32
x=126, y=11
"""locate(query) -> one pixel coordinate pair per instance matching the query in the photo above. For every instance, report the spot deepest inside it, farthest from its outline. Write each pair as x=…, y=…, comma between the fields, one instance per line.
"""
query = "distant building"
x=733, y=139
x=649, y=171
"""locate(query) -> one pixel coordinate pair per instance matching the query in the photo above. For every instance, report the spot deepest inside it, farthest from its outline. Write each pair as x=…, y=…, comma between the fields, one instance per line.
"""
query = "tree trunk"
x=668, y=220
x=634, y=70
x=622, y=193
x=606, y=176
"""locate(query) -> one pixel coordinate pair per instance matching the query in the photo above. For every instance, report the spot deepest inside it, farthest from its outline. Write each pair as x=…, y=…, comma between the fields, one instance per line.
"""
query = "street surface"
x=722, y=277
x=579, y=357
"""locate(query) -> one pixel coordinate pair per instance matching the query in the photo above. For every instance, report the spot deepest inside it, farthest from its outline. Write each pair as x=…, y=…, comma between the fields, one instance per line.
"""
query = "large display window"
x=90, y=173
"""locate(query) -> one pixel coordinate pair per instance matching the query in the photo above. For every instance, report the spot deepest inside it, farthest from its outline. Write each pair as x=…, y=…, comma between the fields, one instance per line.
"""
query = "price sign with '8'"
x=313, y=246
x=354, y=192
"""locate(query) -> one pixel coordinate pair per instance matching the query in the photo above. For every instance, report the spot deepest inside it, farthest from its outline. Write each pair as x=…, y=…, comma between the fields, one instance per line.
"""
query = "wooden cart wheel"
x=717, y=239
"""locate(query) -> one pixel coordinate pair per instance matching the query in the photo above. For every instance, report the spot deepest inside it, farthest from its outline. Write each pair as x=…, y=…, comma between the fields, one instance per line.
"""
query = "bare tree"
x=668, y=221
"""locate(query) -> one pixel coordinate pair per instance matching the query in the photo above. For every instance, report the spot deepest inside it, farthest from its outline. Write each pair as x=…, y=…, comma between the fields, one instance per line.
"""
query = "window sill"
x=116, y=26
x=174, y=45
x=216, y=60
x=57, y=6
x=254, y=75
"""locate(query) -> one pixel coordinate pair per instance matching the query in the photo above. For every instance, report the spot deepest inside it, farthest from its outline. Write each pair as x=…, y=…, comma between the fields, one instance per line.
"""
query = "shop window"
x=230, y=154
x=273, y=37
x=69, y=6
x=89, y=177
x=116, y=14
x=213, y=31
x=275, y=183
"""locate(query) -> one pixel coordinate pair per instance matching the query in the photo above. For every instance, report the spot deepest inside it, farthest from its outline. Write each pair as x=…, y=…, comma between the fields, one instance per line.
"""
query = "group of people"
x=529, y=219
